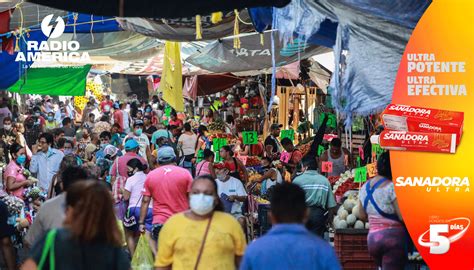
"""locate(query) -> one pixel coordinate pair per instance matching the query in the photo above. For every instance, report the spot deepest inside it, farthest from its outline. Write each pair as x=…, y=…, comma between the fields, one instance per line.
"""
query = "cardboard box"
x=418, y=119
x=416, y=141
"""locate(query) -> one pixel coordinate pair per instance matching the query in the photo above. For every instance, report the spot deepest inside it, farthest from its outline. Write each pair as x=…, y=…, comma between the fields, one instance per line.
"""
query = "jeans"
x=155, y=231
x=317, y=220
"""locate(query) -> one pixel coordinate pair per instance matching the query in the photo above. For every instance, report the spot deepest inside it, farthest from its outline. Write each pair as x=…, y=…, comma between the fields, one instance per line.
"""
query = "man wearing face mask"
x=46, y=160
x=232, y=193
x=168, y=186
x=319, y=197
x=142, y=139
x=4, y=112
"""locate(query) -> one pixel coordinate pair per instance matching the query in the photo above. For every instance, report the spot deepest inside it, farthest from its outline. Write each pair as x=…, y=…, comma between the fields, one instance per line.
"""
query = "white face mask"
x=201, y=204
x=7, y=127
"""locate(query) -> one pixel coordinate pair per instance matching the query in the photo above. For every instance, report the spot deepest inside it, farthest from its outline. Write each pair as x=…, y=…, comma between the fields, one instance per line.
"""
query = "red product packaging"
x=416, y=141
x=410, y=118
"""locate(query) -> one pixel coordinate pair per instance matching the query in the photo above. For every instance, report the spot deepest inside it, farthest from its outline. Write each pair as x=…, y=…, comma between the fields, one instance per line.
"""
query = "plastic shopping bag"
x=143, y=256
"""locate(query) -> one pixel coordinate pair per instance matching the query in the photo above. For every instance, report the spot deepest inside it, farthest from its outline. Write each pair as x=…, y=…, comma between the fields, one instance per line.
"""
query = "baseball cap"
x=131, y=144
x=166, y=154
x=276, y=126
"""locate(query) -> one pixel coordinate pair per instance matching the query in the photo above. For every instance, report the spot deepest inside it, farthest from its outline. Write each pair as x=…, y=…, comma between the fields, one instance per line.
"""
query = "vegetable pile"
x=348, y=215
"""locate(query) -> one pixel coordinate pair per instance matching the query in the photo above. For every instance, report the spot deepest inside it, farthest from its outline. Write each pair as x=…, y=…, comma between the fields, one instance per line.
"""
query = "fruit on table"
x=348, y=215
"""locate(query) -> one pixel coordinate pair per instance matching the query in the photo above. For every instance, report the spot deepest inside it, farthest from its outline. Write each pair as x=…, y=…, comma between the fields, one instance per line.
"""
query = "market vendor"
x=235, y=166
x=339, y=156
x=16, y=181
x=272, y=146
x=295, y=155
x=270, y=177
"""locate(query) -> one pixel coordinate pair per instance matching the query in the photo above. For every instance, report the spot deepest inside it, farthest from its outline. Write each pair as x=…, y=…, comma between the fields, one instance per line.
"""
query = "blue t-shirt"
x=290, y=246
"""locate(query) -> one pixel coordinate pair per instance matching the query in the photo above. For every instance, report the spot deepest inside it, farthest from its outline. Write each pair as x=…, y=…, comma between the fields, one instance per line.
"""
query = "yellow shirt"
x=181, y=237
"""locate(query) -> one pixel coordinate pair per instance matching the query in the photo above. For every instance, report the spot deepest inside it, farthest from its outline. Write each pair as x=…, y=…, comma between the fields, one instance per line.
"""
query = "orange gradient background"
x=446, y=29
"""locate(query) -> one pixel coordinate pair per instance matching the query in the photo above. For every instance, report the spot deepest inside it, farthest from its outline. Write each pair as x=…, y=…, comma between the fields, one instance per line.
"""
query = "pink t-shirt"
x=202, y=168
x=168, y=186
x=15, y=171
x=122, y=164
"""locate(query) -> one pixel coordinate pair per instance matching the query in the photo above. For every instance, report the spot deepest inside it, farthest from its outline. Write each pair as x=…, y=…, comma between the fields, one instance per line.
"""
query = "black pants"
x=317, y=220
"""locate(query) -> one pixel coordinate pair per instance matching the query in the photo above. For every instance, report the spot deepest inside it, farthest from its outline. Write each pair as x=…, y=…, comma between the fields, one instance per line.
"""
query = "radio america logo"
x=442, y=233
x=53, y=50
x=52, y=30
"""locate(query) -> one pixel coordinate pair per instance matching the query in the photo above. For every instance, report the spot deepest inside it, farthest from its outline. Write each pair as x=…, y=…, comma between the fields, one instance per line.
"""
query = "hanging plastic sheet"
x=11, y=70
x=157, y=9
x=62, y=81
x=371, y=39
x=86, y=23
x=184, y=29
x=324, y=36
x=221, y=56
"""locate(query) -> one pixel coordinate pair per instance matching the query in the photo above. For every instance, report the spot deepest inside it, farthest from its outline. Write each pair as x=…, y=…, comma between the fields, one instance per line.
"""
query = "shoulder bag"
x=203, y=242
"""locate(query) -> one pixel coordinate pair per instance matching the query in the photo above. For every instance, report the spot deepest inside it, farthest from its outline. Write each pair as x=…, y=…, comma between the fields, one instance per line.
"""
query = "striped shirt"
x=317, y=188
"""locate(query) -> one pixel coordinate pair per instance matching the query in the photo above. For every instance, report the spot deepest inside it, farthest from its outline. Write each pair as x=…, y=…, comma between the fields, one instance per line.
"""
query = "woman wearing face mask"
x=132, y=195
x=203, y=237
x=50, y=123
x=16, y=182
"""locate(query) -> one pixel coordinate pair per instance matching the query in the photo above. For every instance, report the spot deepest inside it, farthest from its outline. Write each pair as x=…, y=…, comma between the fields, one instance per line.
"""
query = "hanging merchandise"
x=171, y=79
x=65, y=81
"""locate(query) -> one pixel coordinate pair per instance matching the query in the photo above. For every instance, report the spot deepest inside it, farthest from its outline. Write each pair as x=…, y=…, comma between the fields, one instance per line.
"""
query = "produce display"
x=92, y=89
x=348, y=215
x=344, y=183
x=217, y=125
x=252, y=161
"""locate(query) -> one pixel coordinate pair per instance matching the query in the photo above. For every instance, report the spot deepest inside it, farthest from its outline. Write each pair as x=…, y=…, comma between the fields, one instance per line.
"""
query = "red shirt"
x=105, y=103
x=168, y=186
x=177, y=123
x=118, y=118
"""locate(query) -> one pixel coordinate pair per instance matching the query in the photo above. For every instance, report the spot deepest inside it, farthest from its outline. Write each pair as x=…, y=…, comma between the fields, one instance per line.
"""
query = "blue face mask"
x=138, y=132
x=50, y=118
x=68, y=151
x=21, y=159
x=148, y=110
x=103, y=145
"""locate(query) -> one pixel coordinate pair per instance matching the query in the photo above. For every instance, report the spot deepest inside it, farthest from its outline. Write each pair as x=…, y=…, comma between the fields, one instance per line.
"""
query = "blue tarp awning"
x=85, y=22
x=325, y=36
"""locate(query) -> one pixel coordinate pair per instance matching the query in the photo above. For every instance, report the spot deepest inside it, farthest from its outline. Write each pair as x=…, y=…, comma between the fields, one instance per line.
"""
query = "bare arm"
x=243, y=169
x=238, y=259
x=362, y=214
x=13, y=185
x=267, y=175
x=144, y=208
x=323, y=158
x=397, y=210
x=126, y=195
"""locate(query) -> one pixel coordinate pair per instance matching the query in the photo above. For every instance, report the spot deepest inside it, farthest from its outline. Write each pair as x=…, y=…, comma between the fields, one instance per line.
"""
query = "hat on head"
x=138, y=123
x=110, y=150
x=131, y=144
x=166, y=154
x=276, y=126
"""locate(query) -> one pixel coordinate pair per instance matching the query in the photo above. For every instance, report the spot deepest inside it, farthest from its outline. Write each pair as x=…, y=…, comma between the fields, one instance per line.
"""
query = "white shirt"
x=134, y=185
x=188, y=143
x=233, y=186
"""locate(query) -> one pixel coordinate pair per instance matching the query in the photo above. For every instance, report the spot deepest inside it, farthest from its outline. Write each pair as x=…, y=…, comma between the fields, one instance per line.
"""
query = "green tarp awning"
x=57, y=81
